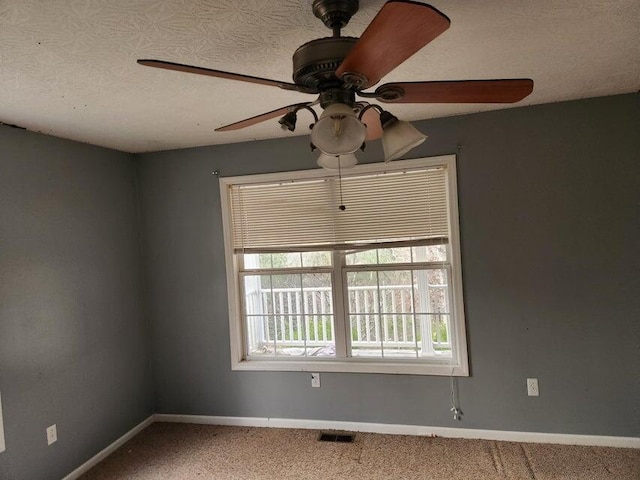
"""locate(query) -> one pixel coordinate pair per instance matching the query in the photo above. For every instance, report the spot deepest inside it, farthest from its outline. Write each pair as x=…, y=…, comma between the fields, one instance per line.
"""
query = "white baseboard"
x=502, y=435
x=93, y=461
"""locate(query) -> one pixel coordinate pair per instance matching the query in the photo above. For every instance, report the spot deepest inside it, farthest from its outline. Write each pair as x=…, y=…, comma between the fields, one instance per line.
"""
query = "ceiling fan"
x=338, y=69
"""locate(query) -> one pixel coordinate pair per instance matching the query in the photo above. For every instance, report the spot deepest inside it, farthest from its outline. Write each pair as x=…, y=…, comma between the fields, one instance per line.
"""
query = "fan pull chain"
x=342, y=206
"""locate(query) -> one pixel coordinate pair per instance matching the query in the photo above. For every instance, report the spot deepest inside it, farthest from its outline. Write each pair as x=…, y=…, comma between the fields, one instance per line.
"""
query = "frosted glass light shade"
x=398, y=138
x=338, y=132
x=341, y=162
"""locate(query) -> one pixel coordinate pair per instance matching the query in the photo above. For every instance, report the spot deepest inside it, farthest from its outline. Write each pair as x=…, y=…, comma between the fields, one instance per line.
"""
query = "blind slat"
x=386, y=207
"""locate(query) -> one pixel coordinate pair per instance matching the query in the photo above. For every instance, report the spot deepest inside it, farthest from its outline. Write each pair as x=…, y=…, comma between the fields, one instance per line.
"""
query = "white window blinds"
x=385, y=207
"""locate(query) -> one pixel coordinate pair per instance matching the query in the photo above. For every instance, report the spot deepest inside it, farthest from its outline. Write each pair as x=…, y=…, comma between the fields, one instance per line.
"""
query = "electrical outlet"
x=532, y=387
x=315, y=380
x=52, y=434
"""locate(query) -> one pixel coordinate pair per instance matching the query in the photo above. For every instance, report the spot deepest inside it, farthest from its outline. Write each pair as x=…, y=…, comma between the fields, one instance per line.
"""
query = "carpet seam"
x=528, y=465
x=495, y=457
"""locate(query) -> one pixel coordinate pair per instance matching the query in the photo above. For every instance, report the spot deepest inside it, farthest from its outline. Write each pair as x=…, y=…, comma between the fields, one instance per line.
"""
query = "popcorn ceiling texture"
x=67, y=67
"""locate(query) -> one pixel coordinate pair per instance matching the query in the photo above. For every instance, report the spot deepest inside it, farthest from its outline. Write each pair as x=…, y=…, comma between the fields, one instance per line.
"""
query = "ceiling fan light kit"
x=399, y=136
x=337, y=162
x=288, y=122
x=339, y=131
x=338, y=69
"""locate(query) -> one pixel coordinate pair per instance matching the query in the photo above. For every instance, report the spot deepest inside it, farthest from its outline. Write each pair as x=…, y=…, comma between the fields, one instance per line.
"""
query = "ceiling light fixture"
x=339, y=131
x=337, y=162
x=398, y=136
x=288, y=122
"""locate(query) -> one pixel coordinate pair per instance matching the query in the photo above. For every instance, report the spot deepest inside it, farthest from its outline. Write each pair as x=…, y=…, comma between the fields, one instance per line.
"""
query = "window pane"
x=379, y=256
x=363, y=292
x=285, y=293
x=383, y=336
x=362, y=257
x=257, y=295
x=394, y=255
x=440, y=334
x=287, y=260
x=431, y=293
x=255, y=260
x=289, y=314
x=318, y=308
x=381, y=292
x=399, y=313
x=398, y=340
x=316, y=259
x=431, y=253
x=385, y=256
x=272, y=260
x=261, y=335
x=365, y=336
x=395, y=291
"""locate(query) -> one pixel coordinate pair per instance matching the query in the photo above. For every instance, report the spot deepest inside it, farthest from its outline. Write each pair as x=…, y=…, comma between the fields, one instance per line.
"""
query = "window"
x=372, y=287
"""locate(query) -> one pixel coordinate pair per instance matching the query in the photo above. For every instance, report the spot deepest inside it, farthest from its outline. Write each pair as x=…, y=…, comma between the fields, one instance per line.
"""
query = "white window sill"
x=352, y=365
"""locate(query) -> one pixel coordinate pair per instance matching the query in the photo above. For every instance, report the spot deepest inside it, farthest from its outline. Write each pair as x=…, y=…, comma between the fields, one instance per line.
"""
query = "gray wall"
x=73, y=343
x=549, y=207
x=550, y=224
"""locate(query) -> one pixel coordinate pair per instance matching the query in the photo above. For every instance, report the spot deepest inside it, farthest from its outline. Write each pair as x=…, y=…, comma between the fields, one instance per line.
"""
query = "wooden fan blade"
x=399, y=30
x=247, y=122
x=463, y=91
x=220, y=74
x=371, y=119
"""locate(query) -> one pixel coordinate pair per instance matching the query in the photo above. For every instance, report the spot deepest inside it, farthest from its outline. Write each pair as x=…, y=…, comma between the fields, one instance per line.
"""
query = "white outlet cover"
x=532, y=387
x=315, y=380
x=52, y=434
x=2, y=444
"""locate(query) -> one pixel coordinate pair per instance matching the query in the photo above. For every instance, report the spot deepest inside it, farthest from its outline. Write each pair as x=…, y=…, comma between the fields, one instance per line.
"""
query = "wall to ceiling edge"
x=549, y=214
x=74, y=347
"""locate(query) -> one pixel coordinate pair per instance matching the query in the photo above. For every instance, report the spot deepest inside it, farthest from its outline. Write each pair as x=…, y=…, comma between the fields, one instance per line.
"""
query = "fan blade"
x=371, y=119
x=220, y=74
x=247, y=122
x=399, y=30
x=463, y=91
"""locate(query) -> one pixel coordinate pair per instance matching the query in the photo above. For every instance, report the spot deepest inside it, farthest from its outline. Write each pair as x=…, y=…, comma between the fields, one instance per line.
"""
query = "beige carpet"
x=187, y=452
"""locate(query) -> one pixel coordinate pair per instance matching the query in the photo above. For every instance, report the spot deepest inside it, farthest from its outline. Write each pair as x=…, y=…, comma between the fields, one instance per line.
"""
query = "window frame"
x=457, y=365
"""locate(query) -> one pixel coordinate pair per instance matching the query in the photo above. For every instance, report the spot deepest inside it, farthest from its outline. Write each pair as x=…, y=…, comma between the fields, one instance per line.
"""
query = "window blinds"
x=305, y=215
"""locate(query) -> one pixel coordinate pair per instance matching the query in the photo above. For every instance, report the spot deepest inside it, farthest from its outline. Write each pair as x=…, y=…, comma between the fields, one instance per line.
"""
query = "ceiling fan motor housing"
x=335, y=13
x=315, y=62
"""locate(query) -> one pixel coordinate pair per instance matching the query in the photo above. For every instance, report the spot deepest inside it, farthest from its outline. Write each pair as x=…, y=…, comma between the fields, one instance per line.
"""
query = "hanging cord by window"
x=342, y=206
x=455, y=408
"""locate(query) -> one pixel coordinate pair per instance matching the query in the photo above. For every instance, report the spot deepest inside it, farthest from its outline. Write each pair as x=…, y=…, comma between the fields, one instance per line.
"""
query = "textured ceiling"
x=68, y=67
